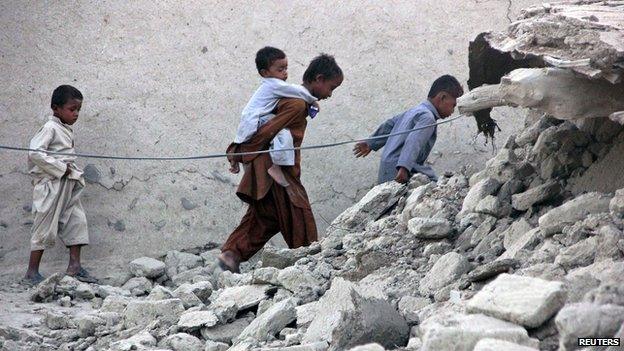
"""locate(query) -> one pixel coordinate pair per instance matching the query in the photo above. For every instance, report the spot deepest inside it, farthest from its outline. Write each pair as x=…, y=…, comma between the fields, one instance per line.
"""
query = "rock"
x=147, y=267
x=215, y=346
x=159, y=293
x=414, y=344
x=87, y=325
x=65, y=301
x=580, y=254
x=315, y=346
x=56, y=321
x=269, y=323
x=437, y=248
x=498, y=345
x=46, y=290
x=415, y=197
x=460, y=332
x=409, y=306
x=572, y=211
x=368, y=347
x=478, y=192
x=306, y=314
x=282, y=258
x=138, y=286
x=587, y=320
x=182, y=342
x=370, y=206
x=533, y=196
x=226, y=311
x=347, y=316
x=244, y=297
x=491, y=205
x=522, y=247
x=429, y=228
x=226, y=332
x=265, y=275
x=193, y=294
x=609, y=292
x=194, y=320
x=445, y=271
x=616, y=205
x=141, y=313
x=515, y=231
x=299, y=281
x=91, y=173
x=136, y=342
x=492, y=269
x=187, y=204
x=114, y=303
x=193, y=275
x=177, y=262
x=521, y=300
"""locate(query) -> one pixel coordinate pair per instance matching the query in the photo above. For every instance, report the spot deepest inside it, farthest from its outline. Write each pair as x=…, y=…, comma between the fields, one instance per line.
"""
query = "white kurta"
x=260, y=109
x=56, y=199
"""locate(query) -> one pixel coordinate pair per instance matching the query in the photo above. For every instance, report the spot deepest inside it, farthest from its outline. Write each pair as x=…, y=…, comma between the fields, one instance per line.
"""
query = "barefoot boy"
x=405, y=154
x=58, y=184
x=272, y=65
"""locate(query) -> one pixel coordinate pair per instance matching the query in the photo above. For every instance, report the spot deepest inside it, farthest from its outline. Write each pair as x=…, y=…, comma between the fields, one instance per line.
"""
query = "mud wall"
x=171, y=78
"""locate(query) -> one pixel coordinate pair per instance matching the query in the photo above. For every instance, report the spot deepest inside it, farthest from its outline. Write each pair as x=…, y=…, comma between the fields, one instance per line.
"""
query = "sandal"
x=35, y=280
x=84, y=276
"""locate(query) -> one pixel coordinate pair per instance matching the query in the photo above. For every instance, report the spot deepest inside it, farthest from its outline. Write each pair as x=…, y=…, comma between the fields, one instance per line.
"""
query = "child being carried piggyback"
x=272, y=65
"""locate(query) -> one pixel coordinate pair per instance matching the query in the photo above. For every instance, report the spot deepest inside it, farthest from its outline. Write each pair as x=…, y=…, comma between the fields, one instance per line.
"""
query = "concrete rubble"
x=514, y=257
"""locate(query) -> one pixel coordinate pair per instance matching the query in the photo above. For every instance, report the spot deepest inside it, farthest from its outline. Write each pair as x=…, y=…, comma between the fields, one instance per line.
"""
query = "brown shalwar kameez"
x=272, y=208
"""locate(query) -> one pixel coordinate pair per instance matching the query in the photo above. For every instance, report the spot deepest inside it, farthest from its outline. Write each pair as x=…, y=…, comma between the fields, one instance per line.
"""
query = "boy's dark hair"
x=324, y=65
x=448, y=84
x=266, y=56
x=63, y=93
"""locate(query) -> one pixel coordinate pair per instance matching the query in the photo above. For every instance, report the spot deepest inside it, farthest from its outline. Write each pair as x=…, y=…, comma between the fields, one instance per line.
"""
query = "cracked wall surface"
x=171, y=79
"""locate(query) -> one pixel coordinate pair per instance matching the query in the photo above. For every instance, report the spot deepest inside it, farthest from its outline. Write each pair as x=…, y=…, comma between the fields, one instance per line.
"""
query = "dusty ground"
x=171, y=78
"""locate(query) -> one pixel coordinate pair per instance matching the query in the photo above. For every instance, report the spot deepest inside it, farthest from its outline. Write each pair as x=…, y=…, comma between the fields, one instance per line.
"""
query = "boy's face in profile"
x=445, y=104
x=278, y=69
x=68, y=113
x=323, y=88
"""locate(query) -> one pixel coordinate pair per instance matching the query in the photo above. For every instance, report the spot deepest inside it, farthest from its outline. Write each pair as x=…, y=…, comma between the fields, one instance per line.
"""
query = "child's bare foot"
x=234, y=167
x=276, y=173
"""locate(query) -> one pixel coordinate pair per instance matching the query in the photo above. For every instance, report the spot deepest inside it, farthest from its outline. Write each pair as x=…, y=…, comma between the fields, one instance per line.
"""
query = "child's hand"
x=361, y=149
x=402, y=175
x=234, y=167
x=316, y=104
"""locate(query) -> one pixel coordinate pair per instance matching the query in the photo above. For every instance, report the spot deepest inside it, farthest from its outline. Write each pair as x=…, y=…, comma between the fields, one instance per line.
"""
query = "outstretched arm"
x=383, y=129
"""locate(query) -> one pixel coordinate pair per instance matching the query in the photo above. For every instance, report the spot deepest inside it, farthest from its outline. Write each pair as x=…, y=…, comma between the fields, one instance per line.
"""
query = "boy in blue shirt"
x=405, y=154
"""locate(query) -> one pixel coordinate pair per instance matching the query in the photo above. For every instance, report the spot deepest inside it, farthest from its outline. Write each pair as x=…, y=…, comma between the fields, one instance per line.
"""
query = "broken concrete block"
x=306, y=313
x=347, y=316
x=515, y=231
x=587, y=320
x=461, y=332
x=269, y=323
x=193, y=294
x=177, y=262
x=498, y=345
x=429, y=228
x=193, y=275
x=409, y=306
x=147, y=267
x=299, y=281
x=136, y=342
x=581, y=254
x=282, y=258
x=159, y=292
x=115, y=303
x=478, y=192
x=521, y=300
x=141, y=313
x=370, y=206
x=265, y=275
x=138, y=286
x=56, y=321
x=226, y=333
x=539, y=194
x=215, y=346
x=368, y=347
x=194, y=320
x=492, y=269
x=315, y=346
x=445, y=271
x=244, y=296
x=616, y=205
x=182, y=342
x=572, y=211
x=523, y=245
x=491, y=205
x=87, y=324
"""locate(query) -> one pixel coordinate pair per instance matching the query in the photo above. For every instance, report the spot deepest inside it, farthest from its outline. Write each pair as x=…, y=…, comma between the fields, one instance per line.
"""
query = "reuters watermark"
x=599, y=342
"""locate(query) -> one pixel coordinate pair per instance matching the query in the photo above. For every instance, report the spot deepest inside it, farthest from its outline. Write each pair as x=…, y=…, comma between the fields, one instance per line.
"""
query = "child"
x=405, y=154
x=272, y=65
x=58, y=185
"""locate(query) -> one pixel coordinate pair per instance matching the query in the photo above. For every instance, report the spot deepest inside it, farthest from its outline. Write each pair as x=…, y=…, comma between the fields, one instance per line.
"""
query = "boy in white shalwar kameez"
x=58, y=184
x=272, y=65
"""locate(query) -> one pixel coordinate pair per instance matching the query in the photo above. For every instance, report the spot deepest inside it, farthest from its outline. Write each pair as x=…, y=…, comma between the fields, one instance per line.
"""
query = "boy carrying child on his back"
x=272, y=65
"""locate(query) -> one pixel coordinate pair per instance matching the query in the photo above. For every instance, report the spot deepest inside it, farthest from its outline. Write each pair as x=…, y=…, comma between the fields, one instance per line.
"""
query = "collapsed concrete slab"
x=348, y=317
